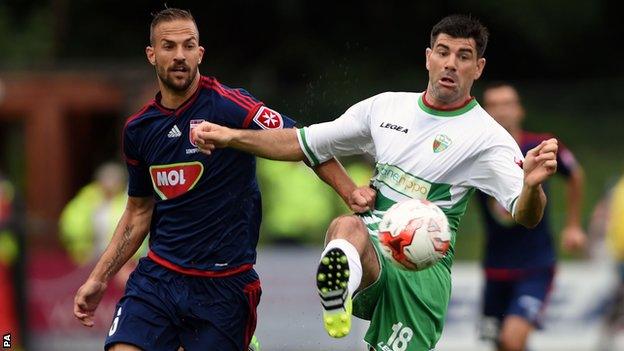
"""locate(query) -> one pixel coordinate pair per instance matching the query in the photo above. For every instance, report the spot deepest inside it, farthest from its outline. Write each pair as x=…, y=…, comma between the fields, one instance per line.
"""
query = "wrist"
x=98, y=280
x=100, y=275
x=530, y=187
x=347, y=191
x=235, y=137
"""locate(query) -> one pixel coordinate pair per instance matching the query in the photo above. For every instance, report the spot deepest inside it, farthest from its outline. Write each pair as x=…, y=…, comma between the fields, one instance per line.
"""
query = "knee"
x=345, y=227
x=514, y=334
x=508, y=342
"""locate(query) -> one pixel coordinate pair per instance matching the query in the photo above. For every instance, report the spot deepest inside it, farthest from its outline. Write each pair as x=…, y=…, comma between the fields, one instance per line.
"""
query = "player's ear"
x=149, y=52
x=480, y=67
x=427, y=54
x=201, y=54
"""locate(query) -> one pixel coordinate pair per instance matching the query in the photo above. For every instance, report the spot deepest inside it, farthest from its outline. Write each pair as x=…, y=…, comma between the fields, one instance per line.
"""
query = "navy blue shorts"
x=523, y=293
x=163, y=310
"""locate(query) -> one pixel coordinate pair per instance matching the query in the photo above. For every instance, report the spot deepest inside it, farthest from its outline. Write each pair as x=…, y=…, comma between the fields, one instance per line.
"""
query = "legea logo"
x=173, y=180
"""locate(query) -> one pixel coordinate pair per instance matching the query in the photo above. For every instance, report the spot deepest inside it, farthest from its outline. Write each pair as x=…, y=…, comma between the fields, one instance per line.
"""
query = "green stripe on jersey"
x=456, y=212
x=513, y=203
x=450, y=113
x=306, y=148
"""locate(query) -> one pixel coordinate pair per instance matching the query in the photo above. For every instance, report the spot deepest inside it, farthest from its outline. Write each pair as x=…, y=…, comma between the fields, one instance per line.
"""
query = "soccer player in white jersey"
x=438, y=145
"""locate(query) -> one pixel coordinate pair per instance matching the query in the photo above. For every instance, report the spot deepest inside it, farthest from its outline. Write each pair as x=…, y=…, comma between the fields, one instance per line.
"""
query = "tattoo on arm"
x=115, y=263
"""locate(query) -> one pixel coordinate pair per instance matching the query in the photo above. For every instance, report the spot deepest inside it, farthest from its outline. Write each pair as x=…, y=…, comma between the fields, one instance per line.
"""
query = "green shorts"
x=406, y=309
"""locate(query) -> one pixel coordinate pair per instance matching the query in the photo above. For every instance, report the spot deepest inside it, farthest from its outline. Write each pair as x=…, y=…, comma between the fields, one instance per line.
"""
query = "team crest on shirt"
x=441, y=143
x=268, y=119
x=194, y=123
x=175, y=179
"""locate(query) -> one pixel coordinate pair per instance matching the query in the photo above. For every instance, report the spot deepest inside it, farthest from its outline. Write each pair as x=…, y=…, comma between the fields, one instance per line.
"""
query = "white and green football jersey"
x=420, y=152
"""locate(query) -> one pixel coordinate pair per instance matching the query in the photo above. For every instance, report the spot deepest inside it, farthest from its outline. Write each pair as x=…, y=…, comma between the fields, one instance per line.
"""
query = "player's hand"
x=208, y=136
x=540, y=162
x=573, y=238
x=362, y=199
x=86, y=301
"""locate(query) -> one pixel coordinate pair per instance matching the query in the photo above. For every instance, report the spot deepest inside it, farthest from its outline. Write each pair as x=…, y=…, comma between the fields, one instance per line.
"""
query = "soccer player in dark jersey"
x=196, y=288
x=519, y=262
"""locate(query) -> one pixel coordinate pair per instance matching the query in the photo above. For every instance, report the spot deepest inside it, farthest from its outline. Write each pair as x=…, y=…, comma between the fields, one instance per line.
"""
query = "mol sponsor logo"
x=173, y=180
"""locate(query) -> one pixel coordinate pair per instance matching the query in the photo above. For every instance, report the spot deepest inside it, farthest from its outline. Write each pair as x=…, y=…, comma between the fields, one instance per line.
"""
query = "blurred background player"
x=197, y=287
x=519, y=262
x=283, y=221
x=89, y=219
x=615, y=226
x=11, y=264
x=615, y=242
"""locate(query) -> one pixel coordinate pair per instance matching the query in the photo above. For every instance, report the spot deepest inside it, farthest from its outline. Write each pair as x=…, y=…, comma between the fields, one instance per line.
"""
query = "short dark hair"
x=462, y=26
x=168, y=15
x=498, y=84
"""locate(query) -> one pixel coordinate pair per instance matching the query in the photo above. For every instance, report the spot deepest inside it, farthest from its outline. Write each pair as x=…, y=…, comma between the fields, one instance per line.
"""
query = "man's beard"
x=172, y=83
x=443, y=96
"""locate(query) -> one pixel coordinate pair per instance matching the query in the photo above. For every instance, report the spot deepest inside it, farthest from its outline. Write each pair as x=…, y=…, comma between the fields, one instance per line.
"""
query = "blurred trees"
x=298, y=39
x=25, y=41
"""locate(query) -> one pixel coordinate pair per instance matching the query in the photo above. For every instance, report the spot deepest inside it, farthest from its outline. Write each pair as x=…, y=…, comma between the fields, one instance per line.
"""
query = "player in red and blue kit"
x=196, y=288
x=519, y=263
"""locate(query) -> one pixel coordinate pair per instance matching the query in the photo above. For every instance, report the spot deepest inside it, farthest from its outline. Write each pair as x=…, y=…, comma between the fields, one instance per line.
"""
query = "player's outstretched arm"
x=282, y=145
x=129, y=234
x=274, y=144
x=573, y=236
x=539, y=164
x=359, y=199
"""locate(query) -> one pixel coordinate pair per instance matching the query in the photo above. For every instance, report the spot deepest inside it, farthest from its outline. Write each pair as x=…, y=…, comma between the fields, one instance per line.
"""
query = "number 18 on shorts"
x=398, y=340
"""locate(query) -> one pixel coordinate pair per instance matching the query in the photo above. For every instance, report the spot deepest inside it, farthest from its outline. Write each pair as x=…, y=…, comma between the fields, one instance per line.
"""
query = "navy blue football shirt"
x=207, y=214
x=510, y=245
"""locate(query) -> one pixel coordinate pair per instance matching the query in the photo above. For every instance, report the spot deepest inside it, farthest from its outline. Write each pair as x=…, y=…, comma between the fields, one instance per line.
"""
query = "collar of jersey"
x=468, y=105
x=177, y=111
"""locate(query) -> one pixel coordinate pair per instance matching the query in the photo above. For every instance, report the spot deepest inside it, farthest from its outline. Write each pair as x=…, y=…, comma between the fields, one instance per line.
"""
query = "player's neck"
x=516, y=133
x=172, y=99
x=430, y=101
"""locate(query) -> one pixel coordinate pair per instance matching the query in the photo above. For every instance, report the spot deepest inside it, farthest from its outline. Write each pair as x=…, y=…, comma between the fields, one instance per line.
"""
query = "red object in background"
x=53, y=280
x=8, y=318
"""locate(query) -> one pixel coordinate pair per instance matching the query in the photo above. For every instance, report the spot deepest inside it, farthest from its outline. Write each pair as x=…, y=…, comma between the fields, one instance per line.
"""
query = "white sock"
x=355, y=266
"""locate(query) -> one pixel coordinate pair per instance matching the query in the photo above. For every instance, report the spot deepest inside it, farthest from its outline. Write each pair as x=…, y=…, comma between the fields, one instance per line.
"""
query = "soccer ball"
x=414, y=234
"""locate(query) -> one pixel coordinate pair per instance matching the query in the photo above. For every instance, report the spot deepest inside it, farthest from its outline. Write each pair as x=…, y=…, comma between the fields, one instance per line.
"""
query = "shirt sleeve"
x=566, y=162
x=244, y=111
x=267, y=118
x=139, y=182
x=498, y=172
x=349, y=134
